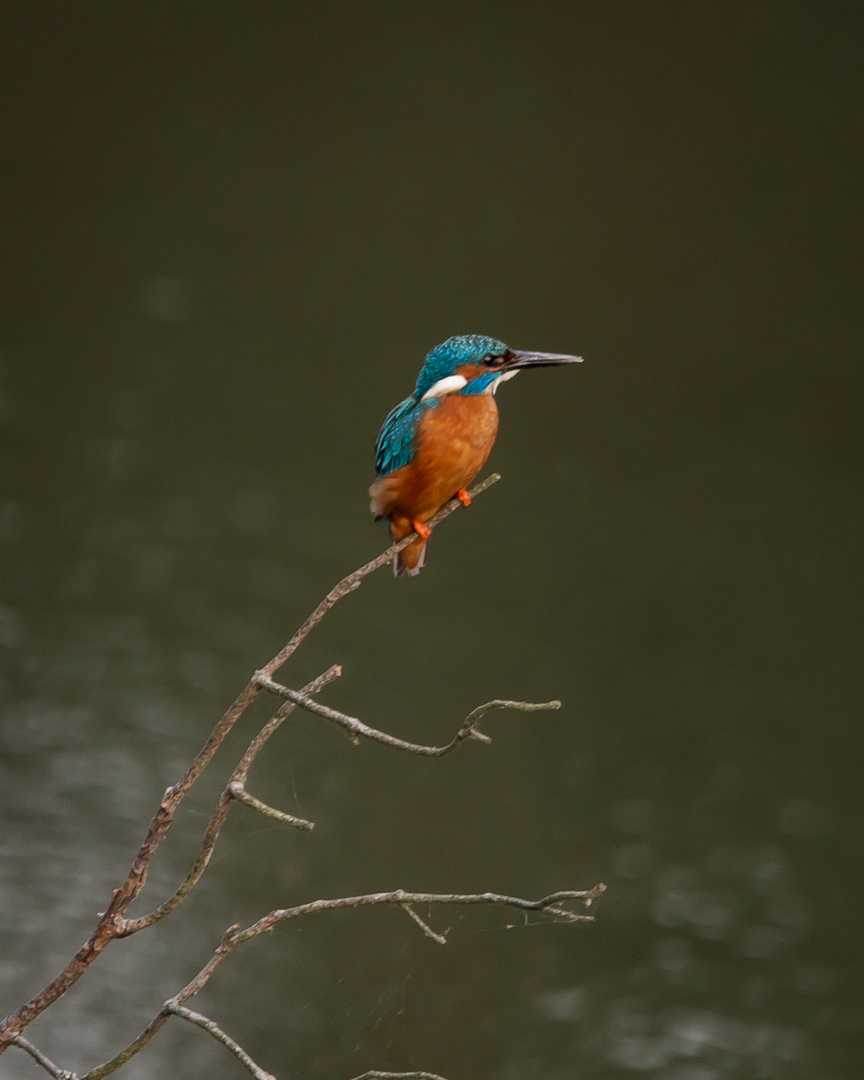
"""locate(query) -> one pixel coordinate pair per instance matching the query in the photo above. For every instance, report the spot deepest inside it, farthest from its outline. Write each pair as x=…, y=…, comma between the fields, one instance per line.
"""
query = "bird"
x=433, y=444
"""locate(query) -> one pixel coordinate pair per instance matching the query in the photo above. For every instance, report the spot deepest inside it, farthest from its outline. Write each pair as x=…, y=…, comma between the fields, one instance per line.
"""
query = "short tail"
x=412, y=560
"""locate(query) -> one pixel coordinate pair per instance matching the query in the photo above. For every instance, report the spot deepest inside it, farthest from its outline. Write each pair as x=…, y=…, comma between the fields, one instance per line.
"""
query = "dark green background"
x=230, y=233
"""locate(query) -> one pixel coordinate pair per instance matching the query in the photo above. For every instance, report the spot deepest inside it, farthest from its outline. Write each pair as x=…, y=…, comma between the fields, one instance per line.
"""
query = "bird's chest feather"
x=456, y=437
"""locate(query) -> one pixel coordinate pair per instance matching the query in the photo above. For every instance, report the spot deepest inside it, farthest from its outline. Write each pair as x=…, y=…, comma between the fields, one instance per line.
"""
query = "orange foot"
x=423, y=531
x=463, y=497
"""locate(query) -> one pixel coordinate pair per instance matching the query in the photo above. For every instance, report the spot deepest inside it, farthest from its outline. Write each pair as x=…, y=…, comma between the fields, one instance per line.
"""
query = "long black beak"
x=539, y=359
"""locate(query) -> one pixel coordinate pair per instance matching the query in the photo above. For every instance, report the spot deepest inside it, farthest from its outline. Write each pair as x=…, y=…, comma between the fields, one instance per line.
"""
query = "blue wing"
x=395, y=446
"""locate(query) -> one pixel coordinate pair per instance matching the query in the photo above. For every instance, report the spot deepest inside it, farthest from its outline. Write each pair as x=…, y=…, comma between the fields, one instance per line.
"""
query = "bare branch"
x=226, y=1040
x=357, y=728
x=42, y=1059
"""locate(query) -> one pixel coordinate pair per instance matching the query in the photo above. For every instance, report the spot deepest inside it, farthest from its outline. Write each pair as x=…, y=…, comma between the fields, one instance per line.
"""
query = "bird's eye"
x=491, y=360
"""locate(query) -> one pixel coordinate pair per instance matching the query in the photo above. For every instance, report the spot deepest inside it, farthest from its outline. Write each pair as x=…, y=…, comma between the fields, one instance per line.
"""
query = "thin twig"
x=242, y=795
x=42, y=1059
x=356, y=727
x=548, y=904
x=376, y=1075
x=427, y=930
x=226, y=1040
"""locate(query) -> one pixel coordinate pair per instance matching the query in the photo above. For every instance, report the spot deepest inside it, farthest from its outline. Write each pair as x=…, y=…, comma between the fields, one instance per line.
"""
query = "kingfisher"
x=433, y=444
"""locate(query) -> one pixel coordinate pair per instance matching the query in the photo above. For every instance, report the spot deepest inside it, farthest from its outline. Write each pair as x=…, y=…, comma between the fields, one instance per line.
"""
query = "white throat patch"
x=446, y=386
x=502, y=378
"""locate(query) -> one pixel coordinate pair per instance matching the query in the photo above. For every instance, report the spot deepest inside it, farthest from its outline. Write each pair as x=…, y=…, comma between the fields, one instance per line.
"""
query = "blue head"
x=444, y=361
x=474, y=363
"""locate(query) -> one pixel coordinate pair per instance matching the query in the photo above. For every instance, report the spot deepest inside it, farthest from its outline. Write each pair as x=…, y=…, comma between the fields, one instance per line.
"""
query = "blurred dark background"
x=230, y=234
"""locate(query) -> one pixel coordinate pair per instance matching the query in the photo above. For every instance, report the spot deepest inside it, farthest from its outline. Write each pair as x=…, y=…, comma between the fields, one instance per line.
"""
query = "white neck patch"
x=446, y=386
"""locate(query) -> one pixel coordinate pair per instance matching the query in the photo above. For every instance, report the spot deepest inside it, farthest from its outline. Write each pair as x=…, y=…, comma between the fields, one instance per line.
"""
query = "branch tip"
x=237, y=790
x=598, y=890
x=227, y=937
x=427, y=930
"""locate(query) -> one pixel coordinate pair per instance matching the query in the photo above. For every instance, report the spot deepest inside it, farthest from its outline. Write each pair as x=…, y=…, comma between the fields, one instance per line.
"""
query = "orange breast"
x=454, y=441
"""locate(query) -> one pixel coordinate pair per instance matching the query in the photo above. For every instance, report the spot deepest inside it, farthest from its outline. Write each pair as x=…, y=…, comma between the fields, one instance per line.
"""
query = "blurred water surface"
x=229, y=238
